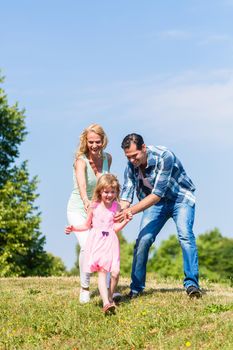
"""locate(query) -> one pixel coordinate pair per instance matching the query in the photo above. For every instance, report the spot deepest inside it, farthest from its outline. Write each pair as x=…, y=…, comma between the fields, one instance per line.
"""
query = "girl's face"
x=94, y=143
x=108, y=195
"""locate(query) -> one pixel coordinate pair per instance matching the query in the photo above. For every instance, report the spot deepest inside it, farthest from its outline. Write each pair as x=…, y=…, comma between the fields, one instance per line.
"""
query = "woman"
x=90, y=163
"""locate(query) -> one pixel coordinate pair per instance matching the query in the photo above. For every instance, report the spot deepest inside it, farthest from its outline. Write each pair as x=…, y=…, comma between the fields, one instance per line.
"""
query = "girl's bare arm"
x=79, y=228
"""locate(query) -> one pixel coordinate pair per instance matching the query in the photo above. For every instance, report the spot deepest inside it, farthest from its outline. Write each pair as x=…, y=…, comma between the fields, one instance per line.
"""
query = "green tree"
x=215, y=254
x=75, y=269
x=166, y=261
x=126, y=255
x=21, y=242
x=13, y=133
x=53, y=266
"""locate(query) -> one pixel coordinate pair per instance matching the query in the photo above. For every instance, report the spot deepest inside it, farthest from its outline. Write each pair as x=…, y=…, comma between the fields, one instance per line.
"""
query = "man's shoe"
x=133, y=294
x=117, y=297
x=193, y=292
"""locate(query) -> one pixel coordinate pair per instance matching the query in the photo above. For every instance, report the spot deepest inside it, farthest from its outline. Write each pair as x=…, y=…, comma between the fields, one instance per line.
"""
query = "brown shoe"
x=109, y=309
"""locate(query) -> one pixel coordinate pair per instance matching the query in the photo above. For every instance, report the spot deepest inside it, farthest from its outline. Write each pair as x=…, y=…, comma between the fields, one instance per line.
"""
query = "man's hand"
x=128, y=215
x=120, y=215
x=125, y=214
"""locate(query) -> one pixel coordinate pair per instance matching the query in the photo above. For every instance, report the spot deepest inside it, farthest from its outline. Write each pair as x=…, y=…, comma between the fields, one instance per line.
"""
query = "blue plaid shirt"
x=165, y=174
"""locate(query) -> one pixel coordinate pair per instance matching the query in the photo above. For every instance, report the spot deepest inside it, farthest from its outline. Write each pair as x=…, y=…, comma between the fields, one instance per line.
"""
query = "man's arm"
x=145, y=203
x=124, y=204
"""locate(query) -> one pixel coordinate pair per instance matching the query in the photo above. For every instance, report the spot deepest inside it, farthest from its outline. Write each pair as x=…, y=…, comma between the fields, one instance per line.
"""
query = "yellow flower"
x=188, y=344
x=144, y=313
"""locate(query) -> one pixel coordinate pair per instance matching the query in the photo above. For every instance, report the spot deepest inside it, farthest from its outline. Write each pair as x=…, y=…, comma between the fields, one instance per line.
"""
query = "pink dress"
x=102, y=250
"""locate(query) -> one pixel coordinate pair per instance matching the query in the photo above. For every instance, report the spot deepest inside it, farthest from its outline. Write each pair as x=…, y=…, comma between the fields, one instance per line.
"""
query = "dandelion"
x=188, y=344
x=144, y=313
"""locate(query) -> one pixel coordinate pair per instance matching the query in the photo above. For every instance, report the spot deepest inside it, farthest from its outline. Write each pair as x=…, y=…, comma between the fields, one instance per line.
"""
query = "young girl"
x=102, y=251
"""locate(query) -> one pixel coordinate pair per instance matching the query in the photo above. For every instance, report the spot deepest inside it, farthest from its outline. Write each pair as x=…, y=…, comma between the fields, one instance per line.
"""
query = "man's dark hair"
x=132, y=138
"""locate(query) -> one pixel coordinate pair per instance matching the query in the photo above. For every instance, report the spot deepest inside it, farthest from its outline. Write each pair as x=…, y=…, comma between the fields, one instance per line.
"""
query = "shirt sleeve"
x=163, y=177
x=128, y=187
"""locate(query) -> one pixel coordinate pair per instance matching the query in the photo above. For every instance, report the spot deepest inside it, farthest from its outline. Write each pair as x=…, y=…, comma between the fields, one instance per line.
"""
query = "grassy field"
x=44, y=313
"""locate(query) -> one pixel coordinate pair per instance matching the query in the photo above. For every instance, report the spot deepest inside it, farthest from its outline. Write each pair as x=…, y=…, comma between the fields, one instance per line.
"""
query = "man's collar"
x=151, y=161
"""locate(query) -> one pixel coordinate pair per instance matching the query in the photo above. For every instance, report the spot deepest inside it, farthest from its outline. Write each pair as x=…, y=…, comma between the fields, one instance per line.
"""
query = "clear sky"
x=163, y=69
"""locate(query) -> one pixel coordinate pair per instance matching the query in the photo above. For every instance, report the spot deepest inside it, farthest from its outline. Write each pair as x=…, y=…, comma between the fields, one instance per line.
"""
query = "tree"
x=53, y=266
x=215, y=254
x=167, y=259
x=126, y=255
x=12, y=134
x=75, y=269
x=21, y=242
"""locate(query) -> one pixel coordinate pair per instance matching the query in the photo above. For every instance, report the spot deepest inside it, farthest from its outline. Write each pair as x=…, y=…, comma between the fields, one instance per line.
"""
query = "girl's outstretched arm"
x=117, y=226
x=84, y=227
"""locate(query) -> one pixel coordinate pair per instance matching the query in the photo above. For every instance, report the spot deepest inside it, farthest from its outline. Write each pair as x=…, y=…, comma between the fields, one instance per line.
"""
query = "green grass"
x=44, y=313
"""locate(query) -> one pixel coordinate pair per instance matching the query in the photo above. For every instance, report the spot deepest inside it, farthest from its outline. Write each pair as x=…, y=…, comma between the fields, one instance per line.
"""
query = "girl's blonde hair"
x=106, y=181
x=82, y=147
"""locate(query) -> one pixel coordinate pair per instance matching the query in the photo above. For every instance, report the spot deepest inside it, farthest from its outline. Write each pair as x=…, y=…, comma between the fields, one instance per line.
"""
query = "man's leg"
x=183, y=215
x=152, y=221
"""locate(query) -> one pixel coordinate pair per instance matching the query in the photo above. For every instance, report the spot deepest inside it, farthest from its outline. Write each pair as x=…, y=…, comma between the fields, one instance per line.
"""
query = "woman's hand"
x=86, y=203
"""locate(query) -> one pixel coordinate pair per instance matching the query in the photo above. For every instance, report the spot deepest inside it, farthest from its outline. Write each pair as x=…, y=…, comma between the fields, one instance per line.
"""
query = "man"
x=164, y=191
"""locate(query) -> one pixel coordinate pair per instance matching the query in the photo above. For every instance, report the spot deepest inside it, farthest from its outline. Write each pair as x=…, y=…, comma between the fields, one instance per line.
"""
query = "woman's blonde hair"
x=106, y=181
x=82, y=147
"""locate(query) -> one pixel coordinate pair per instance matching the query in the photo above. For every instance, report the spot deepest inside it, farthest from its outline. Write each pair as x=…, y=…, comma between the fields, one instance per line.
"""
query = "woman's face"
x=94, y=143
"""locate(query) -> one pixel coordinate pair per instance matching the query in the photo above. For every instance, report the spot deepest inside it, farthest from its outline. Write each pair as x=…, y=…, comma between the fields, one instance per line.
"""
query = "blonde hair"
x=106, y=181
x=82, y=147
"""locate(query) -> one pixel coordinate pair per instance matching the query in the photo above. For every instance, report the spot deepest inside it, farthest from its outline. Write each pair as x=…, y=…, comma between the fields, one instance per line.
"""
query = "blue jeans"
x=153, y=220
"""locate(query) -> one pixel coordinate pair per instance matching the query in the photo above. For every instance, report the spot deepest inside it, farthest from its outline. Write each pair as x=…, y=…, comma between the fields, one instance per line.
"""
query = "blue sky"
x=163, y=69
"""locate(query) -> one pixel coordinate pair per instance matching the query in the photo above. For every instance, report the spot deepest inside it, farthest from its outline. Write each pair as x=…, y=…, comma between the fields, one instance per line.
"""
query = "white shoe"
x=84, y=296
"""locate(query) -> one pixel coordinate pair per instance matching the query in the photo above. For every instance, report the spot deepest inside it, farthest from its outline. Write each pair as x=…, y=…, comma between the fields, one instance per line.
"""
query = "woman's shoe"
x=84, y=296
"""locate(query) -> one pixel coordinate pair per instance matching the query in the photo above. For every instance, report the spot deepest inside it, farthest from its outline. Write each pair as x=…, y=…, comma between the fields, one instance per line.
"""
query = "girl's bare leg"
x=102, y=285
x=113, y=285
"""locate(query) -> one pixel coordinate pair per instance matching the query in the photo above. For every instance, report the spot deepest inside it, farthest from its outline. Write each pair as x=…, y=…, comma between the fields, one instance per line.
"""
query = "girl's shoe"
x=109, y=308
x=84, y=296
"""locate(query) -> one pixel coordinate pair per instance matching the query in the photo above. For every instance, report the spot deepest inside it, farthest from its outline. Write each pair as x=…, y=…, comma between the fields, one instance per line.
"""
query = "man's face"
x=136, y=156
